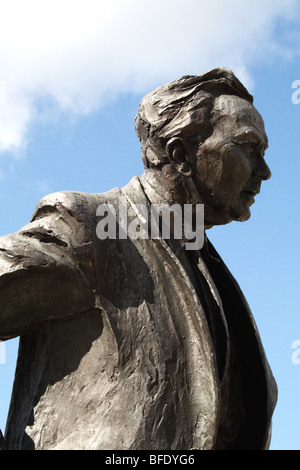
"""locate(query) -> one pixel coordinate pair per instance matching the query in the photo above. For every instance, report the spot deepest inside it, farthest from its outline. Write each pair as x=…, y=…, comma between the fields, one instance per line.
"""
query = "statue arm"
x=45, y=271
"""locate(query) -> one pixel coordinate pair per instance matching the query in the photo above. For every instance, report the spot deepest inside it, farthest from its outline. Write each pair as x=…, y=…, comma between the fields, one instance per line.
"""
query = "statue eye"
x=252, y=149
x=255, y=148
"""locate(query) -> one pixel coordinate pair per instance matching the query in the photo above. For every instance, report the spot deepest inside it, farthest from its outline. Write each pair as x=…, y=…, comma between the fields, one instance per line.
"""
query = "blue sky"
x=68, y=104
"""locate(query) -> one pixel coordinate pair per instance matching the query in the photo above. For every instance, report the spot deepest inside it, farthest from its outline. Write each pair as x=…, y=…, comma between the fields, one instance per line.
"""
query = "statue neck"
x=165, y=186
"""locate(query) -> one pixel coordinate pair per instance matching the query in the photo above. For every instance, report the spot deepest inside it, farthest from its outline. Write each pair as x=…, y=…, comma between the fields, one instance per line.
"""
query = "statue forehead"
x=238, y=109
x=241, y=114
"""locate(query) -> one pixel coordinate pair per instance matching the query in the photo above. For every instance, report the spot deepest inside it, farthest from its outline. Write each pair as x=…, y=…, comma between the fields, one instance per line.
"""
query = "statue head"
x=206, y=129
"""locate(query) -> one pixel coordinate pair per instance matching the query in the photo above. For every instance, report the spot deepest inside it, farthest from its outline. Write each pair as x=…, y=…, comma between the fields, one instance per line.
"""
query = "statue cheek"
x=241, y=163
x=236, y=170
x=214, y=174
x=202, y=170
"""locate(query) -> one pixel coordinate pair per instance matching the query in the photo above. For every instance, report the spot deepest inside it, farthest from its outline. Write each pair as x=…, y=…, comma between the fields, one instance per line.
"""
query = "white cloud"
x=78, y=54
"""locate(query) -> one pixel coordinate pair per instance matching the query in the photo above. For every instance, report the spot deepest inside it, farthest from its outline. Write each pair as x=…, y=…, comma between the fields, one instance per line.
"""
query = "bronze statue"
x=131, y=342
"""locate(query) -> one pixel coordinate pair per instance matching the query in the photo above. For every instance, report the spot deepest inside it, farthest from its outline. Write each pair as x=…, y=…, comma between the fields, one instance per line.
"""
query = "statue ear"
x=177, y=156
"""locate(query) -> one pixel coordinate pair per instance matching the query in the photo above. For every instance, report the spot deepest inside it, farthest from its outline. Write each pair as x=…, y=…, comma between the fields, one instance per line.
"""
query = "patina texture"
x=133, y=343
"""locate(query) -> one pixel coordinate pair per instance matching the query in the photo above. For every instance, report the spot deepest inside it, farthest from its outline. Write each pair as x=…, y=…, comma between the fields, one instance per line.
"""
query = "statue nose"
x=262, y=171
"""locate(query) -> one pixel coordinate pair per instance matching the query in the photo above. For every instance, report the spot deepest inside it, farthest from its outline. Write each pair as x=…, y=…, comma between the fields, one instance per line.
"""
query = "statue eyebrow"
x=253, y=137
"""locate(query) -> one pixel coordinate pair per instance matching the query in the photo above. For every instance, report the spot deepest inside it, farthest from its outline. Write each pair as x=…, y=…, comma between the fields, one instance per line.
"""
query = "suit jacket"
x=115, y=346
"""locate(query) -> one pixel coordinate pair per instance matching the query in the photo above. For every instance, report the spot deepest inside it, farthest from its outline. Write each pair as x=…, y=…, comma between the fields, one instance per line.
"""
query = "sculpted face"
x=230, y=165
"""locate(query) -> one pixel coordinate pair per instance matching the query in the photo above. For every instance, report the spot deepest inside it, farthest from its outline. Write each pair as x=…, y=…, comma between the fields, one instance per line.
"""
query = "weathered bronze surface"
x=139, y=343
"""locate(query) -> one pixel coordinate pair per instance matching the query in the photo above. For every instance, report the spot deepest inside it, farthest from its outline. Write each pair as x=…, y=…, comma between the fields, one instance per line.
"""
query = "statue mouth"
x=249, y=195
x=251, y=191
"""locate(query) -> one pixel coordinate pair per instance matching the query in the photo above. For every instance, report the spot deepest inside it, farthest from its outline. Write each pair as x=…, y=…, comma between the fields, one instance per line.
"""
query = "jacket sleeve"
x=46, y=269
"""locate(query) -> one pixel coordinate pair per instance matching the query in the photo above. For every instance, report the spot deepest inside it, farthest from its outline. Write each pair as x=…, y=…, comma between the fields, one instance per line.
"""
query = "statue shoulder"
x=79, y=202
x=83, y=206
x=68, y=200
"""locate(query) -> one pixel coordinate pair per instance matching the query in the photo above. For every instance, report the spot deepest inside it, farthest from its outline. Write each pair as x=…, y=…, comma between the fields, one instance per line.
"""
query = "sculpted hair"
x=182, y=108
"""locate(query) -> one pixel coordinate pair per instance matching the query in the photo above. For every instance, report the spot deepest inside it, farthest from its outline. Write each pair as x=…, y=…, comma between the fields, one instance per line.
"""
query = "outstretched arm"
x=45, y=271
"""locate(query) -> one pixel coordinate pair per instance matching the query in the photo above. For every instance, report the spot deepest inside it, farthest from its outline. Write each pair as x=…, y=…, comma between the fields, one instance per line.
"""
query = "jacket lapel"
x=191, y=325
x=260, y=390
